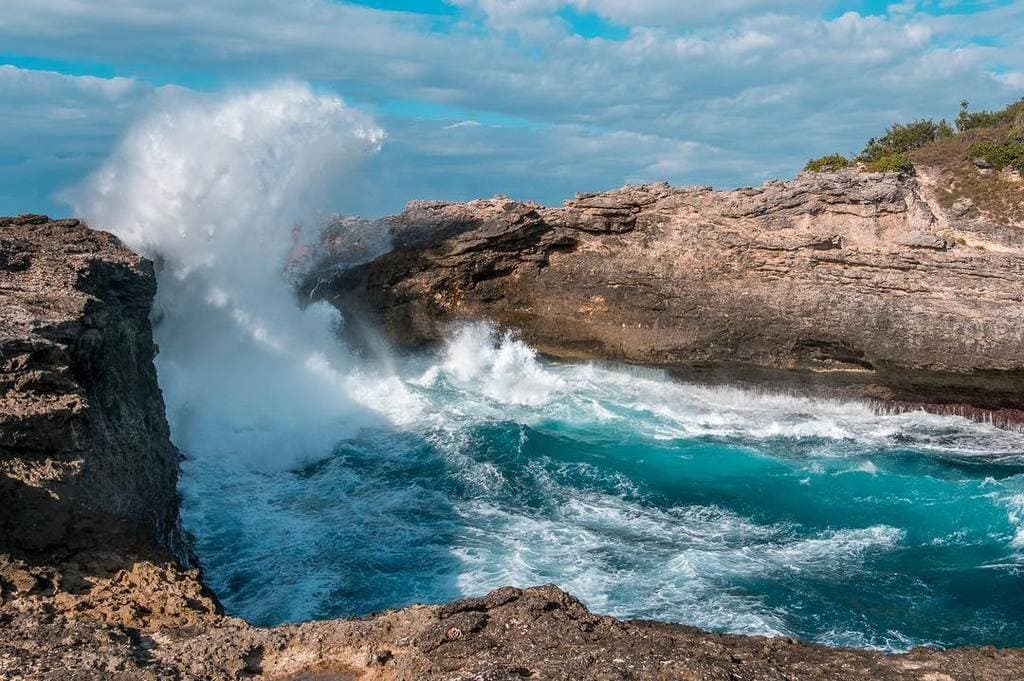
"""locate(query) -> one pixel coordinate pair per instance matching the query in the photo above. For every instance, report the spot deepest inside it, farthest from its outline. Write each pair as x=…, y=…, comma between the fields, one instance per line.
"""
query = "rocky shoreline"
x=93, y=576
x=841, y=284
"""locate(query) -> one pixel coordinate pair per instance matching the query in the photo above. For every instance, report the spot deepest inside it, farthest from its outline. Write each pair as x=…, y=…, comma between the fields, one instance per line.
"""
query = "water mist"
x=220, y=190
x=449, y=473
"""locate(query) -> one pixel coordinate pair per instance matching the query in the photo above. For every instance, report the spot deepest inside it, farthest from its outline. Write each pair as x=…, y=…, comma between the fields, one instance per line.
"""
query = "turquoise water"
x=726, y=509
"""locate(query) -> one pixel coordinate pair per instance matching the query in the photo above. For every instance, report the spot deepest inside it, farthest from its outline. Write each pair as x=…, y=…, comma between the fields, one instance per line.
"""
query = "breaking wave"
x=320, y=484
x=723, y=508
x=221, y=191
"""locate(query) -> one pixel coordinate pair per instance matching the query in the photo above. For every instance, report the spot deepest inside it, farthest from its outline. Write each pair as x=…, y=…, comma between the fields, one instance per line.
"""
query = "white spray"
x=213, y=188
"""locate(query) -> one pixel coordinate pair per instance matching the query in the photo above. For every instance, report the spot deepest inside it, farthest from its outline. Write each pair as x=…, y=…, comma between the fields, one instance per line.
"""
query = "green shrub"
x=891, y=152
x=1009, y=153
x=827, y=164
x=893, y=163
x=902, y=138
x=968, y=120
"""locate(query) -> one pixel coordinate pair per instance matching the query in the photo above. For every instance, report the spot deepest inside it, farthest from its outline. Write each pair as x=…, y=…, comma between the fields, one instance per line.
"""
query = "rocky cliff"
x=87, y=508
x=852, y=283
x=83, y=437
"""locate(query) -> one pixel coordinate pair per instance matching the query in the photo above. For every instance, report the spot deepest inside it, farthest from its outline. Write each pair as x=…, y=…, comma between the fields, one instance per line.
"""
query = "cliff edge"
x=854, y=284
x=88, y=510
x=83, y=436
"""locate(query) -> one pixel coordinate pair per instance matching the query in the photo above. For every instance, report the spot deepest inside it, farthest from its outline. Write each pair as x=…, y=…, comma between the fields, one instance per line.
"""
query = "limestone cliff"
x=88, y=492
x=83, y=436
x=852, y=283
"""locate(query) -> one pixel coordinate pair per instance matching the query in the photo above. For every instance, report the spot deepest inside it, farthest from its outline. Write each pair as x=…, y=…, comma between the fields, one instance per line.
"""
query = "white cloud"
x=1012, y=79
x=55, y=129
x=463, y=124
x=37, y=87
x=428, y=159
x=675, y=13
x=766, y=84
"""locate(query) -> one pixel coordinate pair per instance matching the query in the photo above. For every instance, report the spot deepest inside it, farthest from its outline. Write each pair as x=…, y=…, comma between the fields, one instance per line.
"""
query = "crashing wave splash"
x=217, y=189
x=318, y=484
x=491, y=368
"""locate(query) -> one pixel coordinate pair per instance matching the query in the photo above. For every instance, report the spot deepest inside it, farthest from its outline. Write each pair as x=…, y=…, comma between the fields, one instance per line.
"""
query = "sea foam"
x=220, y=190
x=369, y=485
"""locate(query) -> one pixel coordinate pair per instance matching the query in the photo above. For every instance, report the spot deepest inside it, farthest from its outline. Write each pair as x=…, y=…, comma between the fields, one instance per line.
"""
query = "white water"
x=461, y=497
x=220, y=190
x=429, y=498
x=499, y=376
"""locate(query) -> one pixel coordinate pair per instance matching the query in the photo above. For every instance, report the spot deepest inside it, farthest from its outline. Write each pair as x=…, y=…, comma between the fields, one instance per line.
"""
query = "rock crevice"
x=88, y=505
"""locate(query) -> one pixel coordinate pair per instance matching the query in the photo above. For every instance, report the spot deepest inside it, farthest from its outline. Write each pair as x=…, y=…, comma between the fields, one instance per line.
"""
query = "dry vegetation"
x=999, y=194
x=982, y=159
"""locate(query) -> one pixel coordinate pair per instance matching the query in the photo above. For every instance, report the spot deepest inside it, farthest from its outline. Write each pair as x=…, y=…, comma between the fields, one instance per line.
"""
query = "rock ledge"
x=844, y=284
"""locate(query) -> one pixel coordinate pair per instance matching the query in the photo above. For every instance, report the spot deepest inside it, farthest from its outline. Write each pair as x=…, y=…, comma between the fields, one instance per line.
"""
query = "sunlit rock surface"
x=849, y=283
x=88, y=505
x=82, y=424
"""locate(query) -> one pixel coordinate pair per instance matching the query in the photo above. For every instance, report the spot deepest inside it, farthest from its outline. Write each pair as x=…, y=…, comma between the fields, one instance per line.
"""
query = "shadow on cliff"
x=64, y=545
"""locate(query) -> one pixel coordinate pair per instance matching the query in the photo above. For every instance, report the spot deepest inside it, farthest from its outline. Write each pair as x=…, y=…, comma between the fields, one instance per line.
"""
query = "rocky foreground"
x=92, y=579
x=854, y=284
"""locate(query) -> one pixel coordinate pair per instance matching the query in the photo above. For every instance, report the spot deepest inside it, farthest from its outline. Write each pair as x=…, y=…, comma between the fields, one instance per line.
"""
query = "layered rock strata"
x=88, y=509
x=850, y=284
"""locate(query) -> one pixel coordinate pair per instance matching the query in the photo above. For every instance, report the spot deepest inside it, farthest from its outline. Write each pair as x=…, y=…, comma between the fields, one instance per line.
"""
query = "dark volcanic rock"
x=851, y=283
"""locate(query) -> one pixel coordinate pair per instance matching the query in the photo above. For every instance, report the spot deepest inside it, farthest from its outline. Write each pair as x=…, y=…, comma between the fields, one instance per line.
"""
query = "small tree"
x=827, y=164
x=963, y=119
x=902, y=138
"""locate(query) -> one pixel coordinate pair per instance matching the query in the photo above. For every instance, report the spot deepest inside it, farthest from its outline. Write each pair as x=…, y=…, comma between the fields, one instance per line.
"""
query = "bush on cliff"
x=1011, y=115
x=892, y=163
x=827, y=164
x=1009, y=153
x=902, y=138
x=995, y=136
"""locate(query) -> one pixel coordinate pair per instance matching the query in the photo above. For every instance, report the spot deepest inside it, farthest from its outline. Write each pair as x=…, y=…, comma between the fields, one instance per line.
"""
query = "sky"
x=534, y=99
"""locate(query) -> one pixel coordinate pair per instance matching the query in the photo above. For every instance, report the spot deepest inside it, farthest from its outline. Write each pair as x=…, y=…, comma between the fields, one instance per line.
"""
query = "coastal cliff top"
x=48, y=268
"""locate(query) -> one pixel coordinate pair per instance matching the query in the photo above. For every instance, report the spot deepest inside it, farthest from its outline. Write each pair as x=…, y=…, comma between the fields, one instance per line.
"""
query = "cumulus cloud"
x=731, y=91
x=527, y=15
x=673, y=13
x=430, y=159
x=1012, y=79
x=55, y=129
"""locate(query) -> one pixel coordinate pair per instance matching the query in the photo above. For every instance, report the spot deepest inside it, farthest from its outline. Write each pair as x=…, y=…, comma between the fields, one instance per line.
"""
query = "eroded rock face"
x=850, y=283
x=83, y=438
x=88, y=467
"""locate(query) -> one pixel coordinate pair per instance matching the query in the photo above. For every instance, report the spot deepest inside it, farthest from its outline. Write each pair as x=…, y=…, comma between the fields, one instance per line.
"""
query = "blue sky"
x=537, y=99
